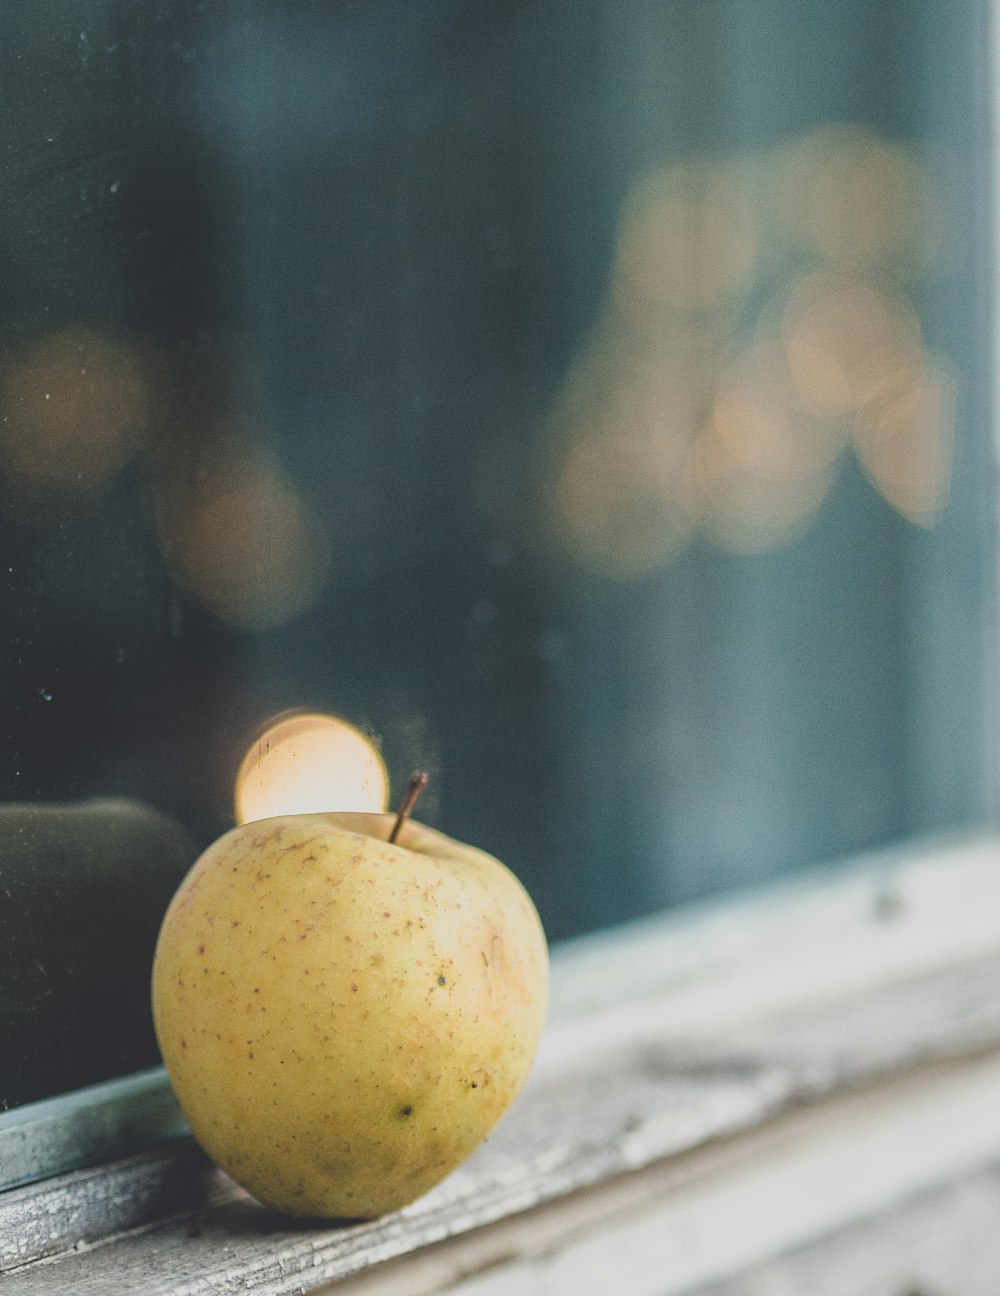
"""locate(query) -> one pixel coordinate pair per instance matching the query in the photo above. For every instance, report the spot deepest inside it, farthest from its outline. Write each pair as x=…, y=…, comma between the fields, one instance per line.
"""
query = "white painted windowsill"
x=768, y=1089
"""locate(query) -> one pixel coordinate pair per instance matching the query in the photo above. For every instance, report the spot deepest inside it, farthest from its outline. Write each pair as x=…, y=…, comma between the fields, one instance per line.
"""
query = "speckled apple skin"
x=344, y=1021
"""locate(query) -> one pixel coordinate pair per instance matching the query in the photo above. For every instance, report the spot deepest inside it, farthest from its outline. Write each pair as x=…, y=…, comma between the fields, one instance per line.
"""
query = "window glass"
x=586, y=404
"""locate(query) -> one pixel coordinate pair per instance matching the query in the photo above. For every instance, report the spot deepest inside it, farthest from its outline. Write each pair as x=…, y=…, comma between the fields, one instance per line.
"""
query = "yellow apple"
x=343, y=1019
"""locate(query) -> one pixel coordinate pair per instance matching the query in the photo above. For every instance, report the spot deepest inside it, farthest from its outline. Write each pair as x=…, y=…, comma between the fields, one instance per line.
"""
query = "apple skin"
x=344, y=1020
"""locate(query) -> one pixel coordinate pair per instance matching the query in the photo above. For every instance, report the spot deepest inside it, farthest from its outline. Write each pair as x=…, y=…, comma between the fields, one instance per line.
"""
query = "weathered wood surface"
x=73, y=1211
x=664, y=1038
x=943, y=1242
x=838, y=1179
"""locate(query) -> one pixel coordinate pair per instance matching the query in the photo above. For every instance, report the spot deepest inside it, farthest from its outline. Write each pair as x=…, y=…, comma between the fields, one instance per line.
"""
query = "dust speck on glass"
x=587, y=404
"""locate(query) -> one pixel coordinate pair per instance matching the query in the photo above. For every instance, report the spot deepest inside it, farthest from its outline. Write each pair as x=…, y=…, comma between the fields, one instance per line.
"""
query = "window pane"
x=587, y=405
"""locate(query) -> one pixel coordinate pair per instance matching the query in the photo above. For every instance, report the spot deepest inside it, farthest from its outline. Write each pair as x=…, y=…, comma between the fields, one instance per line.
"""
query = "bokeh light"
x=240, y=539
x=757, y=418
x=688, y=238
x=625, y=419
x=904, y=438
x=859, y=200
x=307, y=764
x=619, y=505
x=740, y=507
x=760, y=467
x=842, y=337
x=75, y=410
x=758, y=321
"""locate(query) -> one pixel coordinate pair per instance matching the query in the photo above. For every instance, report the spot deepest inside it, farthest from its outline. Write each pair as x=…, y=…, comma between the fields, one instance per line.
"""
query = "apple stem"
x=416, y=785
